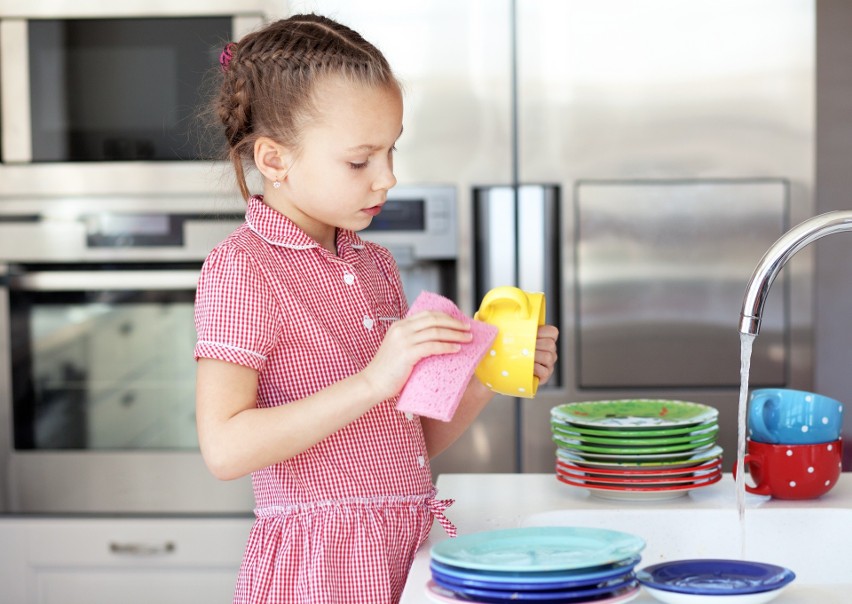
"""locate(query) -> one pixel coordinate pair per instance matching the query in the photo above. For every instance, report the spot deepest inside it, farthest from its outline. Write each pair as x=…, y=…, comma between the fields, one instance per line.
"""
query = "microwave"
x=99, y=97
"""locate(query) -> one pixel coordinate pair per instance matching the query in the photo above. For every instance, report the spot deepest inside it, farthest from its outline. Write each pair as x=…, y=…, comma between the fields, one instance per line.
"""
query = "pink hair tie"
x=227, y=55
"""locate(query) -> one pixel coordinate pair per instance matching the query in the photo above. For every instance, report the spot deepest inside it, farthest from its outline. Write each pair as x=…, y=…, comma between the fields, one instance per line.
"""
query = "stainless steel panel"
x=624, y=90
x=659, y=266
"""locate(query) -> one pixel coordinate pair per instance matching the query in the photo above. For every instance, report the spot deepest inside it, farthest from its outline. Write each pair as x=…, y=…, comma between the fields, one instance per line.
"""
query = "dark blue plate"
x=533, y=580
x=610, y=588
x=715, y=577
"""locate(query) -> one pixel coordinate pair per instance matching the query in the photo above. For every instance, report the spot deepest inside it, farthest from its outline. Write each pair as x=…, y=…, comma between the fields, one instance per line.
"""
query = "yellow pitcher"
x=507, y=368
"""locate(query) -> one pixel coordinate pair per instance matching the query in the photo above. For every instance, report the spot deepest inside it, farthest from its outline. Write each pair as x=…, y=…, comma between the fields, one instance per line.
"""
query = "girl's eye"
x=358, y=166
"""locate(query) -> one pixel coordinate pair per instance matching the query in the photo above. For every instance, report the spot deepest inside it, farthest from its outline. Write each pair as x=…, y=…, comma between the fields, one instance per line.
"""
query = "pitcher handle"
x=503, y=293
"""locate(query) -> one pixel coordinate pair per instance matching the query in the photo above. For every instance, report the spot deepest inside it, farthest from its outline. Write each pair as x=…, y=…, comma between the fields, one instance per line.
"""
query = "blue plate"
x=560, y=596
x=531, y=580
x=715, y=577
x=540, y=548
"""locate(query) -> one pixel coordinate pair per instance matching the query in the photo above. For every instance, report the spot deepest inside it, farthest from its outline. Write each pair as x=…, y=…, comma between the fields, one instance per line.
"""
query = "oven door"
x=101, y=389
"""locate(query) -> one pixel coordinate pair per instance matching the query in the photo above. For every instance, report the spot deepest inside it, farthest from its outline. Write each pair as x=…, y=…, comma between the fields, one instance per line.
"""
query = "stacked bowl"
x=547, y=565
x=794, y=448
x=637, y=449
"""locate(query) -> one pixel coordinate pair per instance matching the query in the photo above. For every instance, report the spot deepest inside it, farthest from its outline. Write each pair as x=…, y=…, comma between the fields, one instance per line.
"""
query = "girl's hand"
x=406, y=342
x=545, y=352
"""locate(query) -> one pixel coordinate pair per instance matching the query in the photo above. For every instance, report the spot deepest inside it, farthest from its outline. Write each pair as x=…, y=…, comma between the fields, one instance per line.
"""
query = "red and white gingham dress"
x=342, y=521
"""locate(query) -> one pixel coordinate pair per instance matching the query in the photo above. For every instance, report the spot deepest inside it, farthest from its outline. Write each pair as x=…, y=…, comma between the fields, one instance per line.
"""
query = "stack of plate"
x=637, y=449
x=555, y=565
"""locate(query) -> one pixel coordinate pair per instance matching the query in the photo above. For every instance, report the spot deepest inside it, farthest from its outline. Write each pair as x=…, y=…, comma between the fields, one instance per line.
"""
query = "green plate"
x=641, y=433
x=537, y=549
x=636, y=414
x=697, y=435
x=621, y=457
x=626, y=451
x=680, y=461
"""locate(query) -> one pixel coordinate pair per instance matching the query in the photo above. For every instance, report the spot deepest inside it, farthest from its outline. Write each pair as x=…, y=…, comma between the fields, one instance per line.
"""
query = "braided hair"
x=269, y=77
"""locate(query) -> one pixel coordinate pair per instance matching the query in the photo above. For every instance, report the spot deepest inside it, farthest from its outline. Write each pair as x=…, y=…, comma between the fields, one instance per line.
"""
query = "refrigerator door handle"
x=496, y=239
x=538, y=240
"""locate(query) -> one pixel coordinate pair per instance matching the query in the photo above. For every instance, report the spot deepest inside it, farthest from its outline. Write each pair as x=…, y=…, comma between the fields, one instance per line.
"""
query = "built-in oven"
x=97, y=377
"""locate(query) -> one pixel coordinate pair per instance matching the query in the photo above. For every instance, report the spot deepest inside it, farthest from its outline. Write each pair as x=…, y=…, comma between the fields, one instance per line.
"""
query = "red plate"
x=639, y=482
x=713, y=478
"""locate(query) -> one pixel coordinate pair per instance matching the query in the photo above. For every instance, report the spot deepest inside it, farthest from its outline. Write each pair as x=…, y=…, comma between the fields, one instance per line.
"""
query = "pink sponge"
x=438, y=382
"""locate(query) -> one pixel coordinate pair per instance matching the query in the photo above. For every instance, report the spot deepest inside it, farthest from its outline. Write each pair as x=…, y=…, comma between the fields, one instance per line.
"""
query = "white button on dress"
x=348, y=278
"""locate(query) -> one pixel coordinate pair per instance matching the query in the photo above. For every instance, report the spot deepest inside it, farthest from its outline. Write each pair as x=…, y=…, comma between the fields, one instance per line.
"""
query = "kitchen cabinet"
x=60, y=560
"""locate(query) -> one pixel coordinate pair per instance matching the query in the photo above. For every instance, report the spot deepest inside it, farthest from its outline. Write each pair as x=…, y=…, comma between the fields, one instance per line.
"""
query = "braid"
x=270, y=76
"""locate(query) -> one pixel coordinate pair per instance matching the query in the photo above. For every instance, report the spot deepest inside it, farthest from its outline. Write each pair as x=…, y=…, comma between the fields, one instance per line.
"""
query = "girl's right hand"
x=406, y=342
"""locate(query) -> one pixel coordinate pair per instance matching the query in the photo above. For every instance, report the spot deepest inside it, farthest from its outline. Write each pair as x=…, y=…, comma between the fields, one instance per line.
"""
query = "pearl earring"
x=276, y=185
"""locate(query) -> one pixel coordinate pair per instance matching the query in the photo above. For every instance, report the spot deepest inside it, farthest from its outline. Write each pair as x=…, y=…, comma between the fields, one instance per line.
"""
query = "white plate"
x=672, y=597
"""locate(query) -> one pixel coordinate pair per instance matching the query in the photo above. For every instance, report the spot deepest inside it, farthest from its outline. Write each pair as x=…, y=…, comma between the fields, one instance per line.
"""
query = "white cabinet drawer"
x=132, y=560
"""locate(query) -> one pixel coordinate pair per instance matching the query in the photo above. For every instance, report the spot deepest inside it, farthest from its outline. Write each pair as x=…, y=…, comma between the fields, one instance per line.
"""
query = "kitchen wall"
x=833, y=328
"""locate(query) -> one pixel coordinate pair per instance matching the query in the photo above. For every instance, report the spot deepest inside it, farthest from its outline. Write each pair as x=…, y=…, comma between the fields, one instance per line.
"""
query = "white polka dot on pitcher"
x=804, y=428
x=831, y=447
x=525, y=352
x=825, y=421
x=827, y=482
x=493, y=353
x=504, y=373
x=522, y=389
x=789, y=452
x=811, y=470
x=793, y=483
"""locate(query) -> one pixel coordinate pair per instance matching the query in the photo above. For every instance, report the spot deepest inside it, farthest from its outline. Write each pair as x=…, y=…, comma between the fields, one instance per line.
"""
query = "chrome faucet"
x=777, y=256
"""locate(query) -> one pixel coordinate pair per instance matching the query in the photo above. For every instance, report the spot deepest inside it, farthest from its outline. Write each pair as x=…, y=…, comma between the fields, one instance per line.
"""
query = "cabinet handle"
x=142, y=549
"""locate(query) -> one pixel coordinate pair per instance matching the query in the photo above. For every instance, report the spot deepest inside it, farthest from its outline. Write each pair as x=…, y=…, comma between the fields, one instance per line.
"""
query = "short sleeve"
x=236, y=317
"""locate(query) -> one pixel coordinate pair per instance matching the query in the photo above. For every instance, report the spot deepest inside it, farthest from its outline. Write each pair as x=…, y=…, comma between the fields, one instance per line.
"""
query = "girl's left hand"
x=545, y=352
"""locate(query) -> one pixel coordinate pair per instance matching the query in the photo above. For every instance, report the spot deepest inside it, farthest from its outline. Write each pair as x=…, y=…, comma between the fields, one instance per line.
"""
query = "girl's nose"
x=385, y=179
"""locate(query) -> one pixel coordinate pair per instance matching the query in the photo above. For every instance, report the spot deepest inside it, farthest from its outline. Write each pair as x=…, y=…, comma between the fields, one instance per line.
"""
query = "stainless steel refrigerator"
x=633, y=160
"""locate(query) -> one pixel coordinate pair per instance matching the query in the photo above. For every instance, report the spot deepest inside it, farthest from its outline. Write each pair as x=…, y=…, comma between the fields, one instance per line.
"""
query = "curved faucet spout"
x=777, y=256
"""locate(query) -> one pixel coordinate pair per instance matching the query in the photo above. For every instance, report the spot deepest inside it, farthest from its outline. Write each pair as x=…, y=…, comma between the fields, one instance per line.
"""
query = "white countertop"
x=495, y=501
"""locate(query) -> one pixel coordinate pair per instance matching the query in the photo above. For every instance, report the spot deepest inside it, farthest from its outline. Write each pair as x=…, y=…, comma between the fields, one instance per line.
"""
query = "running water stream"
x=746, y=341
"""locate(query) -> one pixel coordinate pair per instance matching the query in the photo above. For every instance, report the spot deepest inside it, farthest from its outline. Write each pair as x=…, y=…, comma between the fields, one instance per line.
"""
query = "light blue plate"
x=538, y=549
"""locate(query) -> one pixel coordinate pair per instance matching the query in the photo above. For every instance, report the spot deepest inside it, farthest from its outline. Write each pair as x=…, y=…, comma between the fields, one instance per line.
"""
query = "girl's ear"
x=272, y=159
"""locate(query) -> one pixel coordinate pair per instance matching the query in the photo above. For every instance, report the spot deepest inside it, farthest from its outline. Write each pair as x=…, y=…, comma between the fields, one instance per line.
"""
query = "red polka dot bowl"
x=792, y=471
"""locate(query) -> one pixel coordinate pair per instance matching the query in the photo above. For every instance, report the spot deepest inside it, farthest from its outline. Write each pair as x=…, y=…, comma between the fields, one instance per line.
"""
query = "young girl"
x=302, y=346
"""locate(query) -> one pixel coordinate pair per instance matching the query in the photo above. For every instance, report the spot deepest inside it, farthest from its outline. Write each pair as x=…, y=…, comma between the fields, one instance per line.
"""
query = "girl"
x=301, y=348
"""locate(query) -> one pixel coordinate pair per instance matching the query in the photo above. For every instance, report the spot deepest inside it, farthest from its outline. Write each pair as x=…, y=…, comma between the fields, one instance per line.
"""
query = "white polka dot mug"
x=507, y=367
x=792, y=471
x=785, y=416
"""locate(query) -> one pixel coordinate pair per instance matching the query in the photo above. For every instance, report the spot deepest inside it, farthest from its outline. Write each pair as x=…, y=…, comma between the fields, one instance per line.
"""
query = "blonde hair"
x=270, y=76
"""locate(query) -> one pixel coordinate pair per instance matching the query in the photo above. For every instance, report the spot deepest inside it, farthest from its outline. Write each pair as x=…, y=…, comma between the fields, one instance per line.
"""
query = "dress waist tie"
x=437, y=508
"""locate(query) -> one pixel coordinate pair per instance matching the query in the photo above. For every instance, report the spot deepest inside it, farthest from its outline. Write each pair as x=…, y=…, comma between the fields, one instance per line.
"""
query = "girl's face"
x=343, y=170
